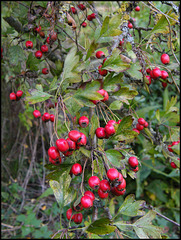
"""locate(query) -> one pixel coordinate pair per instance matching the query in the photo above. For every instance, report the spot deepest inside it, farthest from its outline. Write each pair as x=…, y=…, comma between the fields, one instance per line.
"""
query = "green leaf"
x=125, y=94
x=86, y=152
x=125, y=135
x=170, y=104
x=144, y=228
x=16, y=54
x=94, y=122
x=101, y=226
x=115, y=157
x=46, y=193
x=73, y=105
x=37, y=96
x=130, y=207
x=110, y=81
x=125, y=123
x=176, y=148
x=116, y=105
x=58, y=171
x=32, y=63
x=105, y=25
x=134, y=71
x=91, y=49
x=124, y=226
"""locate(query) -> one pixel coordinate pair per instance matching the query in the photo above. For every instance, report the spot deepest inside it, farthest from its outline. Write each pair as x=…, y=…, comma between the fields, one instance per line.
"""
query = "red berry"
x=53, y=36
x=121, y=186
x=68, y=153
x=151, y=74
x=169, y=148
x=93, y=15
x=45, y=71
x=116, y=192
x=136, y=130
x=73, y=10
x=141, y=121
x=48, y=40
x=118, y=122
x=173, y=165
x=113, y=122
x=83, y=121
x=90, y=194
x=42, y=34
x=95, y=101
x=104, y=93
x=135, y=169
x=133, y=162
x=105, y=185
x=36, y=114
x=164, y=84
x=102, y=194
x=53, y=153
x=72, y=144
x=76, y=169
x=100, y=132
x=137, y=8
x=148, y=70
x=86, y=201
x=19, y=93
x=94, y=182
x=55, y=162
x=81, y=6
x=109, y=129
x=84, y=24
x=77, y=218
x=38, y=54
x=164, y=75
x=62, y=145
x=12, y=96
x=112, y=174
x=75, y=136
x=146, y=124
x=102, y=72
x=156, y=73
x=46, y=116
x=139, y=126
x=121, y=42
x=52, y=117
x=69, y=213
x=165, y=59
x=149, y=79
x=44, y=48
x=29, y=44
x=120, y=178
x=37, y=29
x=175, y=143
x=83, y=140
x=130, y=25
x=100, y=54
x=78, y=208
x=89, y=17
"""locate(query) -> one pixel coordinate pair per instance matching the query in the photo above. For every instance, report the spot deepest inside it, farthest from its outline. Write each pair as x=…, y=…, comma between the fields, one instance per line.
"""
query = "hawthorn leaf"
x=101, y=226
x=114, y=157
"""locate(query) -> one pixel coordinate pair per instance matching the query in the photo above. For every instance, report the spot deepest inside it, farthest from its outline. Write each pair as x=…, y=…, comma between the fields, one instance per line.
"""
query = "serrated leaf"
x=16, y=54
x=116, y=105
x=114, y=157
x=101, y=226
x=125, y=123
x=91, y=49
x=125, y=135
x=124, y=226
x=32, y=63
x=134, y=71
x=130, y=207
x=86, y=152
x=105, y=25
x=46, y=193
x=37, y=96
x=125, y=94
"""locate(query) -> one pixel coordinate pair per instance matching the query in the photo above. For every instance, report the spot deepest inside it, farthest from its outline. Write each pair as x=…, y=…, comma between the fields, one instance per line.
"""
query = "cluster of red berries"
x=45, y=117
x=38, y=30
x=140, y=125
x=104, y=93
x=74, y=141
x=100, y=55
x=16, y=96
x=157, y=73
x=172, y=164
x=108, y=130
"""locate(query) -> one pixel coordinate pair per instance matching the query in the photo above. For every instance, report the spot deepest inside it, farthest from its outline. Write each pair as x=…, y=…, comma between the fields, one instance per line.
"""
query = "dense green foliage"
x=35, y=193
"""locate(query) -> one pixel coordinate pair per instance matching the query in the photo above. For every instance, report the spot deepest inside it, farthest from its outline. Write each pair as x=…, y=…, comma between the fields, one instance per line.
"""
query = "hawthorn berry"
x=156, y=73
x=77, y=218
x=113, y=174
x=52, y=117
x=36, y=113
x=102, y=72
x=53, y=36
x=86, y=201
x=78, y=207
x=100, y=54
x=118, y=122
x=44, y=48
x=68, y=153
x=29, y=44
x=116, y=192
x=139, y=126
x=148, y=70
x=105, y=185
x=133, y=162
x=93, y=15
x=141, y=121
x=62, y=145
x=136, y=130
x=130, y=25
x=37, y=29
x=165, y=59
x=83, y=140
x=109, y=129
x=84, y=24
x=46, y=116
x=81, y=6
x=56, y=161
x=19, y=93
x=45, y=71
x=12, y=96
x=170, y=148
x=173, y=165
x=135, y=169
x=104, y=93
x=89, y=17
x=76, y=169
x=73, y=10
x=120, y=178
x=75, y=136
x=38, y=54
x=90, y=194
x=53, y=153
x=48, y=40
x=121, y=42
x=149, y=79
x=146, y=124
x=83, y=121
x=42, y=34
x=72, y=144
x=69, y=213
x=113, y=122
x=137, y=8
x=100, y=132
x=102, y=194
x=164, y=75
x=94, y=182
x=122, y=185
x=164, y=84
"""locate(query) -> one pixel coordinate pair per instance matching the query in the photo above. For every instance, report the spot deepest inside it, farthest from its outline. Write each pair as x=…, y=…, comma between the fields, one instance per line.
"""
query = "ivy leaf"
x=101, y=226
